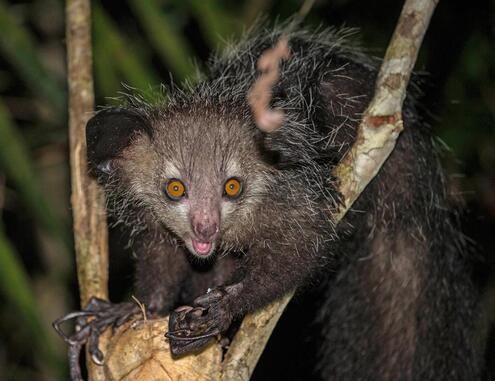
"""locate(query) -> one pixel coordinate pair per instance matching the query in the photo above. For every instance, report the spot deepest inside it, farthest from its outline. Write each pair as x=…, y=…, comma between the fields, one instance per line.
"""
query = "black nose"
x=204, y=231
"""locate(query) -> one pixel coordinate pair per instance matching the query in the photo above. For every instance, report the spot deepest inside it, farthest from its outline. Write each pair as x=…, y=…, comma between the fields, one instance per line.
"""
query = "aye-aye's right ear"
x=108, y=133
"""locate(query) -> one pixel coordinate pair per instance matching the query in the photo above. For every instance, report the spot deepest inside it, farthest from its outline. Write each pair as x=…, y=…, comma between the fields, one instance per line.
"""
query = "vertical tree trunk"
x=88, y=201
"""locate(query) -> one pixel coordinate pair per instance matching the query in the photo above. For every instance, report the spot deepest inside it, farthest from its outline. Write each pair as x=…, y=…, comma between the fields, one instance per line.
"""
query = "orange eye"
x=233, y=188
x=175, y=189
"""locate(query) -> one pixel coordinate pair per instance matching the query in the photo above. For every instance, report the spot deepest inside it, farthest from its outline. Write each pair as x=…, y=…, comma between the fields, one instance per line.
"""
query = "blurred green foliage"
x=16, y=288
x=138, y=43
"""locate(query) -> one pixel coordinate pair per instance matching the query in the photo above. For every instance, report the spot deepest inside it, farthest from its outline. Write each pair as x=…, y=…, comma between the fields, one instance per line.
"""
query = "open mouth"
x=202, y=248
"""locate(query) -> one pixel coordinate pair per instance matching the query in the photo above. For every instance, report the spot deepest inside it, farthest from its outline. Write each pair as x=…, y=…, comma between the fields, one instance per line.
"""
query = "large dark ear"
x=108, y=133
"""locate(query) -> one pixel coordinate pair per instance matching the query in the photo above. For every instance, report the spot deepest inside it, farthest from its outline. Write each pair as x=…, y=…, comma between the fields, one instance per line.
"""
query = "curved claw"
x=191, y=328
x=96, y=353
x=90, y=323
x=181, y=336
x=176, y=335
x=73, y=315
x=181, y=345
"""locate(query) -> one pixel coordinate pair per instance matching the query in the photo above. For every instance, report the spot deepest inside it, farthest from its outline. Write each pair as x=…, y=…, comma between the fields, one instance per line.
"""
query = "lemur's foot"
x=90, y=323
x=192, y=327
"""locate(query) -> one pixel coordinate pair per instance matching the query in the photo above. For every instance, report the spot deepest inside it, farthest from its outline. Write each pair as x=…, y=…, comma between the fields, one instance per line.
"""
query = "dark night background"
x=139, y=43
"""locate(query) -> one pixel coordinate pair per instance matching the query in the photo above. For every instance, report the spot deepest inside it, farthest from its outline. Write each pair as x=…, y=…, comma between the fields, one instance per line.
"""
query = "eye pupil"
x=175, y=189
x=233, y=188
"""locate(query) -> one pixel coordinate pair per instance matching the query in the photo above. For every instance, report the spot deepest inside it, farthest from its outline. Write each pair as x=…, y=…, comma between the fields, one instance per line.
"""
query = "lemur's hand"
x=192, y=327
x=98, y=315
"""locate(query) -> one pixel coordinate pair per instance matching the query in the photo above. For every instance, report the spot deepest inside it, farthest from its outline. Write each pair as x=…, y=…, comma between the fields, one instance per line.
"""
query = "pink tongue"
x=201, y=248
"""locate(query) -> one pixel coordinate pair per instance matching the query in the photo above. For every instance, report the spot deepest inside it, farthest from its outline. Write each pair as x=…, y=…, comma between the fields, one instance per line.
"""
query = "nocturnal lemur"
x=227, y=218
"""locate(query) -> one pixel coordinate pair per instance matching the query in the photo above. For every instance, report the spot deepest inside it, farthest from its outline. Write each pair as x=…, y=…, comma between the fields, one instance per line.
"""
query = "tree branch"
x=88, y=202
x=382, y=120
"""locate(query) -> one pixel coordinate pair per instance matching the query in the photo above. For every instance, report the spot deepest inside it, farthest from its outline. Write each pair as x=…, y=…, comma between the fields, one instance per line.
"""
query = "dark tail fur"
x=402, y=306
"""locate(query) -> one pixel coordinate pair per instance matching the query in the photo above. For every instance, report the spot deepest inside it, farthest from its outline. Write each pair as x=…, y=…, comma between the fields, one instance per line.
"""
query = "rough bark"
x=382, y=120
x=87, y=199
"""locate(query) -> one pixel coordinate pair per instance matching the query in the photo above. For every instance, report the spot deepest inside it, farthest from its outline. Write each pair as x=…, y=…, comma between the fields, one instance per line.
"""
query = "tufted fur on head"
x=205, y=134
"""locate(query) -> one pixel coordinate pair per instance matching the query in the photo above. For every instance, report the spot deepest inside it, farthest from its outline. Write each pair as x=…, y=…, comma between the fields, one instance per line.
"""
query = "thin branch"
x=88, y=204
x=382, y=121
x=250, y=341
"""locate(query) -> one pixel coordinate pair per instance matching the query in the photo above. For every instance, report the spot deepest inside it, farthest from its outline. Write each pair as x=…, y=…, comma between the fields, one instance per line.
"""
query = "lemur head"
x=198, y=173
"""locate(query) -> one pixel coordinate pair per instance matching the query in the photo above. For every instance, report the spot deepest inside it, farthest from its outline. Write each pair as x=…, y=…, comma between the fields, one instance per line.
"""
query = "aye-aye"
x=226, y=218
